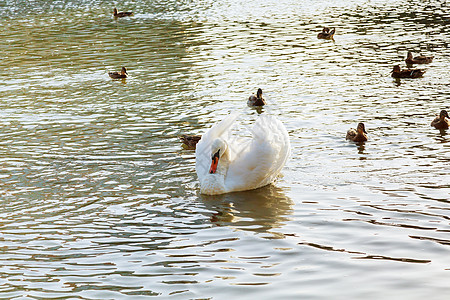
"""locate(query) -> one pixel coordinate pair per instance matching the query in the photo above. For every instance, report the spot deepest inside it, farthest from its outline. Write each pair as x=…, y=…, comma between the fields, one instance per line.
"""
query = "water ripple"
x=100, y=201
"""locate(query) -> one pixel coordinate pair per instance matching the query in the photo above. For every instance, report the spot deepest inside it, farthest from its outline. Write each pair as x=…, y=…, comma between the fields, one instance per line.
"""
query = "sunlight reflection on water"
x=100, y=201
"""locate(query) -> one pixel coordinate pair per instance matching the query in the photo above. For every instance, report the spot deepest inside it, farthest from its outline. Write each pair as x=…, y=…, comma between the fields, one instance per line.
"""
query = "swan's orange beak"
x=214, y=163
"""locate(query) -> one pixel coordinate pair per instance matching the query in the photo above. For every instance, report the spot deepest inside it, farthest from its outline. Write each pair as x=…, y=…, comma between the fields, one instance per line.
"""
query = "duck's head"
x=259, y=93
x=409, y=55
x=396, y=69
x=361, y=128
x=124, y=71
x=444, y=114
x=218, y=148
x=115, y=11
x=326, y=30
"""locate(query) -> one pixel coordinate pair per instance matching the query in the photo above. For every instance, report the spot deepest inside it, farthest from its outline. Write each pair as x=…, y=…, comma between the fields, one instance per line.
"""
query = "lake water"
x=100, y=201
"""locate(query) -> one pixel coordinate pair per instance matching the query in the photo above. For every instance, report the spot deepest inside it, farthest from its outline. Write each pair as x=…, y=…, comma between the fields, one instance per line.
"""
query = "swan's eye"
x=216, y=155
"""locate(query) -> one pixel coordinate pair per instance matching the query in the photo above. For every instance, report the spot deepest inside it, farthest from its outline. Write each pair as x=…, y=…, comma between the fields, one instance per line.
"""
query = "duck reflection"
x=442, y=132
x=441, y=136
x=361, y=147
x=258, y=210
x=258, y=109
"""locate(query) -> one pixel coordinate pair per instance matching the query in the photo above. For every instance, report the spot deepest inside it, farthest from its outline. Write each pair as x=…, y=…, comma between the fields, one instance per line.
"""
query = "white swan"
x=229, y=163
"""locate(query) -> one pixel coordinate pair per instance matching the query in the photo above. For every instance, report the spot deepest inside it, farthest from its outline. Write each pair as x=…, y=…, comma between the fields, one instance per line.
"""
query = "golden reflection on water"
x=99, y=202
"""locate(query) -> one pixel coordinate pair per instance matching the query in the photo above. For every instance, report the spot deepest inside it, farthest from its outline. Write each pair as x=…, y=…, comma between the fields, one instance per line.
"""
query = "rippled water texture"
x=100, y=201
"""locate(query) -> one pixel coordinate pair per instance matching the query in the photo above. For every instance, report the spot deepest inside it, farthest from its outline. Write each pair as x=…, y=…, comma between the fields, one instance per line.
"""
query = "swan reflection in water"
x=257, y=210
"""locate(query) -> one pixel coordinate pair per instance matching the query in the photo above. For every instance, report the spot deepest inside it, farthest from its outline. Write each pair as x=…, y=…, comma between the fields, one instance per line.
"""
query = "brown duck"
x=326, y=33
x=418, y=59
x=407, y=73
x=440, y=122
x=256, y=100
x=122, y=14
x=122, y=74
x=358, y=134
x=190, y=141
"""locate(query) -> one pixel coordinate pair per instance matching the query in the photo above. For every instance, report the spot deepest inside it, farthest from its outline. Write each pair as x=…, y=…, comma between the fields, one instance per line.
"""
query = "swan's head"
x=218, y=148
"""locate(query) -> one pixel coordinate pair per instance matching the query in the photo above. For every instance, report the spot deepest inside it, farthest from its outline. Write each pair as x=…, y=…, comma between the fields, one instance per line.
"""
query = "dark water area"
x=100, y=201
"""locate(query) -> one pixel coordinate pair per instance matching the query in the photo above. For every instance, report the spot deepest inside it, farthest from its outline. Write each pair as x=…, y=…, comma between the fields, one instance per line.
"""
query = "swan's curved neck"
x=224, y=162
x=214, y=184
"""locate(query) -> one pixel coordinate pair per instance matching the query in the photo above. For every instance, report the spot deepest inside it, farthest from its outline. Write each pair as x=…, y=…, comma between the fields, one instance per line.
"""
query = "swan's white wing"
x=259, y=160
x=203, y=149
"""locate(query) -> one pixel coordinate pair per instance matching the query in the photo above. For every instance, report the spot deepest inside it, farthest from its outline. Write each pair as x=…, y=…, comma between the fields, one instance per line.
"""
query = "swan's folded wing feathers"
x=250, y=168
x=279, y=140
x=260, y=162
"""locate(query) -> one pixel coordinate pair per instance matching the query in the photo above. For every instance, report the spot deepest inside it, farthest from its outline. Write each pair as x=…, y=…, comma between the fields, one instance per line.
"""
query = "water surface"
x=100, y=201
